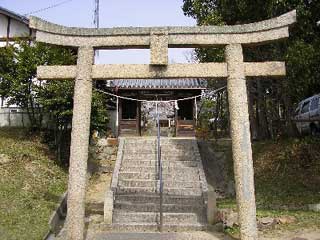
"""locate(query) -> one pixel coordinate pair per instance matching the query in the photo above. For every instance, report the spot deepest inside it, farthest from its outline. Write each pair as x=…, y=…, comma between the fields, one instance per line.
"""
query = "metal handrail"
x=159, y=170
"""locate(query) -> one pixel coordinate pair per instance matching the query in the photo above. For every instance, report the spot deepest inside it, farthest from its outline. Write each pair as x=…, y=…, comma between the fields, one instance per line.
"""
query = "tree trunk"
x=261, y=112
x=290, y=126
x=252, y=118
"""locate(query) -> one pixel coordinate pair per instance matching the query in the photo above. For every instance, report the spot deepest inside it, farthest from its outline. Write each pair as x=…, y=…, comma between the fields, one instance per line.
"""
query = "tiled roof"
x=158, y=83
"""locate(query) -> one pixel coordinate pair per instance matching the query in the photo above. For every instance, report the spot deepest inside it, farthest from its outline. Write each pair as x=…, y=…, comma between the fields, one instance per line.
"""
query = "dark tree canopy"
x=301, y=51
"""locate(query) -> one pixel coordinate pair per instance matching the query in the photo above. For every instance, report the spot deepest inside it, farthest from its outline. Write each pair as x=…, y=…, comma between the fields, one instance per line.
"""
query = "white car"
x=307, y=115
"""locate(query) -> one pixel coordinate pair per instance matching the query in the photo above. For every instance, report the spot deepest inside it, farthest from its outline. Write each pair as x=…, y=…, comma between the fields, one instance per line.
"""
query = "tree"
x=7, y=68
x=18, y=77
x=269, y=100
x=40, y=98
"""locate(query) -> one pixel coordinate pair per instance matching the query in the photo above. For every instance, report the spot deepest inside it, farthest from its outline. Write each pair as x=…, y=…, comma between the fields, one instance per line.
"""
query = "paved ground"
x=160, y=236
x=296, y=235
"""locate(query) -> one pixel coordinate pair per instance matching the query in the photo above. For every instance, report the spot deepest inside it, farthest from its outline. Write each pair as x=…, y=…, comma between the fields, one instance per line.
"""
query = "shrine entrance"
x=159, y=39
x=136, y=109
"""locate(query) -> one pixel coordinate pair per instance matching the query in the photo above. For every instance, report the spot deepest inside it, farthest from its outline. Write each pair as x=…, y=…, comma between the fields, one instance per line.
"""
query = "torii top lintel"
x=159, y=39
x=140, y=37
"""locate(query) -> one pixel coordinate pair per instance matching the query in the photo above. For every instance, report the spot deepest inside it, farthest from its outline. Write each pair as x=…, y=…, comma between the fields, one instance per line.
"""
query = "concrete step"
x=177, y=142
x=154, y=227
x=128, y=132
x=152, y=207
x=165, y=163
x=120, y=216
x=153, y=183
x=140, y=151
x=135, y=156
x=137, y=200
x=153, y=157
x=166, y=191
x=177, y=176
x=150, y=154
x=166, y=148
x=155, y=198
x=165, y=169
x=139, y=140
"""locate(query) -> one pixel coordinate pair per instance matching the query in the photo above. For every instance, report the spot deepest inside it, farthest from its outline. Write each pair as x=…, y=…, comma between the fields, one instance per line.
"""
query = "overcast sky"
x=113, y=13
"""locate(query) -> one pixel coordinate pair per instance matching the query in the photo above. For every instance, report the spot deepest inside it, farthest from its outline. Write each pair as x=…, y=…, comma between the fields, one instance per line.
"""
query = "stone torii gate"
x=158, y=39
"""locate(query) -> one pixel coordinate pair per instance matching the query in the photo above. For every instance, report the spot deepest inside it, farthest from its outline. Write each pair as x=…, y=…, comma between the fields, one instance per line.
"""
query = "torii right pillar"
x=241, y=142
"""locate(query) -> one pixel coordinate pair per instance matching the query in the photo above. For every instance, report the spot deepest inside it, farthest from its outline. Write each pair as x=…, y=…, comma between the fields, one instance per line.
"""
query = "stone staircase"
x=135, y=186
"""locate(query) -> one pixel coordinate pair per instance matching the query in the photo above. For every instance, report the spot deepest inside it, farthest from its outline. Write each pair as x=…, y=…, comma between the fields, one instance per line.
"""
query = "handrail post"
x=159, y=169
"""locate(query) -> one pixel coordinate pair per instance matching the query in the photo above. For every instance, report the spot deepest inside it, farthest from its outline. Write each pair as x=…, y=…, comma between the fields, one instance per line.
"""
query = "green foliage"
x=18, y=72
x=56, y=97
x=30, y=186
x=300, y=51
x=18, y=81
x=99, y=113
x=206, y=113
x=7, y=67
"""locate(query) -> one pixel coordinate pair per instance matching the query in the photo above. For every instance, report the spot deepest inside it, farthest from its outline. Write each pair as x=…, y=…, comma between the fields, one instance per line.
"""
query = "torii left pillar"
x=79, y=144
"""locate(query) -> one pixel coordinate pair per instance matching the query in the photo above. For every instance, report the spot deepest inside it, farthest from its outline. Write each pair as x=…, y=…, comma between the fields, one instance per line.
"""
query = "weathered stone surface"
x=108, y=207
x=103, y=154
x=187, y=40
x=79, y=145
x=264, y=69
x=278, y=22
x=286, y=219
x=241, y=142
x=56, y=218
x=215, y=166
x=266, y=223
x=253, y=33
x=115, y=175
x=212, y=206
x=94, y=218
x=228, y=217
x=141, y=71
x=159, y=48
x=144, y=71
x=235, y=70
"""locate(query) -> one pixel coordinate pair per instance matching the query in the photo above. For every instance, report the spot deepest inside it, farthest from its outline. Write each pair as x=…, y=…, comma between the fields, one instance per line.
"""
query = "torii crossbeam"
x=159, y=39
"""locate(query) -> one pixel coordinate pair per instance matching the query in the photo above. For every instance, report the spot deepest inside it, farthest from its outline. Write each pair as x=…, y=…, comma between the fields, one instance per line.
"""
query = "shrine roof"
x=157, y=84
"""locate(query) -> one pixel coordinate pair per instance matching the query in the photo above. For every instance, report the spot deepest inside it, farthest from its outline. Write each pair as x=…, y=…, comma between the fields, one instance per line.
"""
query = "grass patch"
x=287, y=173
x=30, y=185
x=287, y=179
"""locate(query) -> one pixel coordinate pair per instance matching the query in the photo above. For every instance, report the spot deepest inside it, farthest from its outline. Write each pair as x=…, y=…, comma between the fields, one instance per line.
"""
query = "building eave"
x=14, y=15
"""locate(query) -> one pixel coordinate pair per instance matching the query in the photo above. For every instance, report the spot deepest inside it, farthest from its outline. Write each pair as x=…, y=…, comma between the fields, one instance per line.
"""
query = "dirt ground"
x=301, y=234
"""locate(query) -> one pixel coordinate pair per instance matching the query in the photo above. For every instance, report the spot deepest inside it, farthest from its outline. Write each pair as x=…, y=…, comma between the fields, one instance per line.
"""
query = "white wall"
x=17, y=28
x=17, y=117
x=3, y=26
x=13, y=117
